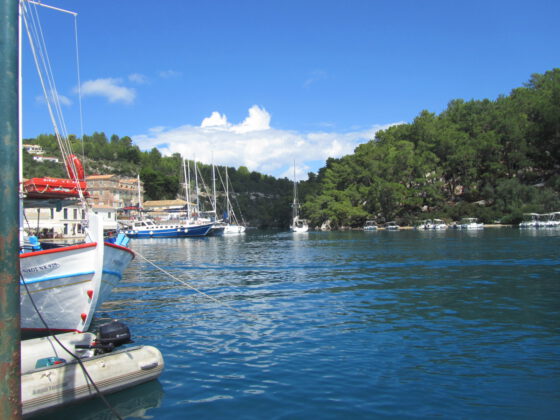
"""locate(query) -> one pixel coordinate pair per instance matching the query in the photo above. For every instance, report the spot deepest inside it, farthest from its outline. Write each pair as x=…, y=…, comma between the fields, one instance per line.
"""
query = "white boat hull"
x=59, y=281
x=299, y=229
x=299, y=225
x=67, y=284
x=234, y=230
x=473, y=226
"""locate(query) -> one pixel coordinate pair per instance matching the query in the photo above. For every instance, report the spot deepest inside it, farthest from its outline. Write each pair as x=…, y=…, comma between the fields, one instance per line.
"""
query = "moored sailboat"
x=232, y=225
x=298, y=225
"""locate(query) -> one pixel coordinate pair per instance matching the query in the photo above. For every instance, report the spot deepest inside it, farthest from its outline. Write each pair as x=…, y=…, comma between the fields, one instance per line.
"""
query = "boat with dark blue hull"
x=149, y=229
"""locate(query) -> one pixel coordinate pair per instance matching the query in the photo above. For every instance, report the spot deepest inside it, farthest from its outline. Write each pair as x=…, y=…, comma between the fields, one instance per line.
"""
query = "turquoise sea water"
x=330, y=325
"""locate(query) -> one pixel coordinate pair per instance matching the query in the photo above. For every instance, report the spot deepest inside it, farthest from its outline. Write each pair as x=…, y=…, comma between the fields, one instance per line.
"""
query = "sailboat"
x=298, y=225
x=232, y=226
x=144, y=227
x=219, y=228
x=63, y=284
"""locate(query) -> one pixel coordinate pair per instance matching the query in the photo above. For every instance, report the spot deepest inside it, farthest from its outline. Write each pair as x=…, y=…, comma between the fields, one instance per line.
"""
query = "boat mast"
x=187, y=190
x=214, y=188
x=139, y=194
x=228, y=204
x=295, y=205
x=196, y=187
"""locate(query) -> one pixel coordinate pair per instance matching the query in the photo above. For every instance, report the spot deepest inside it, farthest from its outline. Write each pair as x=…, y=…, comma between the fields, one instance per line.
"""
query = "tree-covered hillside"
x=261, y=200
x=492, y=159
x=481, y=158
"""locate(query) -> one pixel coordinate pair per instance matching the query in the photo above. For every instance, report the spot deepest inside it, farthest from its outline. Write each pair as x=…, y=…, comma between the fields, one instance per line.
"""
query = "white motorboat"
x=470, y=223
x=391, y=226
x=530, y=221
x=438, y=224
x=370, y=225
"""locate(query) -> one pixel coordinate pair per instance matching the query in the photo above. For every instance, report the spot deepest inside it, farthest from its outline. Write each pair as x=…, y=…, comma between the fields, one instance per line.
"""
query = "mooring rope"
x=184, y=283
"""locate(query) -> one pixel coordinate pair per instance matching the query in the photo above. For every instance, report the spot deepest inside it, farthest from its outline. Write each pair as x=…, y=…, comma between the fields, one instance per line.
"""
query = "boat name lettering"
x=49, y=388
x=39, y=268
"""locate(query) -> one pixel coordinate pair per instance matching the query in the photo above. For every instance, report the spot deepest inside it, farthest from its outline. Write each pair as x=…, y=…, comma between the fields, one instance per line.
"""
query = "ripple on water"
x=350, y=324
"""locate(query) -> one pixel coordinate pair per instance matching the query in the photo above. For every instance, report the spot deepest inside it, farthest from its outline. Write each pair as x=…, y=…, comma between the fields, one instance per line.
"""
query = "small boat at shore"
x=391, y=226
x=370, y=226
x=470, y=223
x=53, y=368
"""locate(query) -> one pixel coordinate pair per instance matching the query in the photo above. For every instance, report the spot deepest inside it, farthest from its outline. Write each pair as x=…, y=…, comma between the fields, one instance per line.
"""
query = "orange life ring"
x=72, y=162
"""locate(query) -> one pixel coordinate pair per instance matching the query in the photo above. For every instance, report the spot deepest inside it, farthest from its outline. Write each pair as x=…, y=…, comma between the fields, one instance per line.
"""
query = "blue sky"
x=264, y=83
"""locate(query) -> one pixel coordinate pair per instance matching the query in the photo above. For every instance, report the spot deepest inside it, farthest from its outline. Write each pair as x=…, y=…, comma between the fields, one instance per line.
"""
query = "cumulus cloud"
x=255, y=144
x=109, y=88
x=216, y=120
x=257, y=120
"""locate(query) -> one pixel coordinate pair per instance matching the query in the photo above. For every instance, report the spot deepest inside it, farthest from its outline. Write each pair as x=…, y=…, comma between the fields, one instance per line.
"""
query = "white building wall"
x=52, y=223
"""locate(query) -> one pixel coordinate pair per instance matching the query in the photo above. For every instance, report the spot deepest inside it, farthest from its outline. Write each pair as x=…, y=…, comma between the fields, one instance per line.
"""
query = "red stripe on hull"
x=122, y=248
x=55, y=250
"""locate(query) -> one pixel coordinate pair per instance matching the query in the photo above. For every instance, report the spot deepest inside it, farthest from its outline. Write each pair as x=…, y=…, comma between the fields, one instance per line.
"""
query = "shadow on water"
x=134, y=403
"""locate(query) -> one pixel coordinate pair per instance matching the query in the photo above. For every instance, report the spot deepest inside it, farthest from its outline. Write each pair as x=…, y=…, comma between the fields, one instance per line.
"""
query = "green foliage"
x=479, y=158
x=486, y=159
x=263, y=200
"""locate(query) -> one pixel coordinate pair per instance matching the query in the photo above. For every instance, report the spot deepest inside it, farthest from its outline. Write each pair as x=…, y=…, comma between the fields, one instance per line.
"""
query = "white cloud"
x=62, y=100
x=257, y=120
x=216, y=120
x=109, y=88
x=168, y=74
x=138, y=78
x=314, y=77
x=255, y=144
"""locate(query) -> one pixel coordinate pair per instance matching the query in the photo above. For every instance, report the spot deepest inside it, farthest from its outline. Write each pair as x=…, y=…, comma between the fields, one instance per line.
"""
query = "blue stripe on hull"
x=62, y=276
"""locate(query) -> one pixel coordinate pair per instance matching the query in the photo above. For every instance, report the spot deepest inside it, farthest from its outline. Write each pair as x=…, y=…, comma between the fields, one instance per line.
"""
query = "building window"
x=75, y=214
x=65, y=216
x=65, y=228
x=109, y=215
x=52, y=214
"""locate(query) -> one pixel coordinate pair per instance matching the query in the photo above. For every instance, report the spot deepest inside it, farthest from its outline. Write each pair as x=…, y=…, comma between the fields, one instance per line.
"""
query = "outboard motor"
x=112, y=335
x=109, y=337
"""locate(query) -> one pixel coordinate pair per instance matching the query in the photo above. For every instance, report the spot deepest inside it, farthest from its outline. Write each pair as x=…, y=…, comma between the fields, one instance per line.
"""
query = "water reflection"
x=133, y=403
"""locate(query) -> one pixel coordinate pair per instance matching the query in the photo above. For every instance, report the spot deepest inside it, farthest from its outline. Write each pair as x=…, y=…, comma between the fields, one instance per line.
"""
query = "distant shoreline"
x=493, y=225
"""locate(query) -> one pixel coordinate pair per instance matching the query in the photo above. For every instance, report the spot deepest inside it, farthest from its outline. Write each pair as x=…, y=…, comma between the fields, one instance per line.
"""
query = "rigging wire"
x=229, y=206
x=44, y=69
x=86, y=373
x=184, y=283
x=79, y=83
